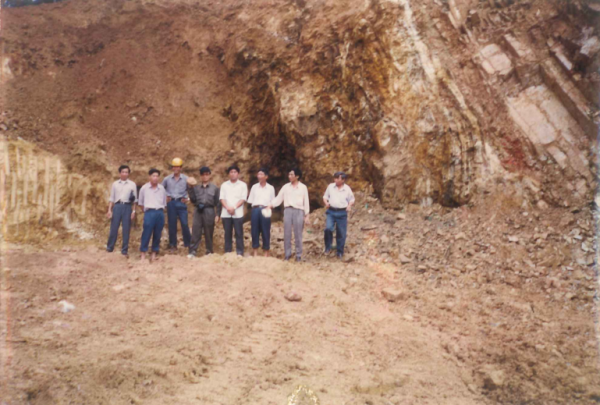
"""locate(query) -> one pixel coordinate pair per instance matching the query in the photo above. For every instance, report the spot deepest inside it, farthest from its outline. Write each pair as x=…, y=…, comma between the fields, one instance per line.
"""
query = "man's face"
x=261, y=177
x=205, y=177
x=292, y=176
x=154, y=178
x=124, y=174
x=233, y=175
x=176, y=169
x=339, y=181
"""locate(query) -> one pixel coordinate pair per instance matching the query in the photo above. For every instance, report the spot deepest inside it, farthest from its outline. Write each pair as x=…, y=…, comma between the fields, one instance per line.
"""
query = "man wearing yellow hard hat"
x=177, y=197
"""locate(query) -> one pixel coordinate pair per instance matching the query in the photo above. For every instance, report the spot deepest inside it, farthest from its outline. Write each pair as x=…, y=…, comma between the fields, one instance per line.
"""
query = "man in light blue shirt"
x=177, y=196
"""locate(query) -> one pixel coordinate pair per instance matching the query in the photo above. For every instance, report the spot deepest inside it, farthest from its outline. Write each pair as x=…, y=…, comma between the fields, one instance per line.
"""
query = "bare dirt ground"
x=484, y=312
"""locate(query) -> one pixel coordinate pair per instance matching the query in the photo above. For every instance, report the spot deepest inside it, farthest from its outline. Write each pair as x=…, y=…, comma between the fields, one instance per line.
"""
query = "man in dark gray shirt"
x=205, y=197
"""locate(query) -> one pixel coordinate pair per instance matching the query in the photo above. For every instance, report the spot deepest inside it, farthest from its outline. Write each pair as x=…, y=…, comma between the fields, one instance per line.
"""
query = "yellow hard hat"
x=177, y=162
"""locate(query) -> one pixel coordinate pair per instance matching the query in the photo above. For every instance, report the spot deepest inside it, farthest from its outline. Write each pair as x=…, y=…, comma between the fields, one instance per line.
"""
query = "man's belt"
x=259, y=206
x=337, y=209
x=177, y=199
x=123, y=202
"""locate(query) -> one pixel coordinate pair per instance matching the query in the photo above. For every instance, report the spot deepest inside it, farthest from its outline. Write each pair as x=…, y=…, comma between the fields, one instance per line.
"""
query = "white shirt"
x=121, y=191
x=295, y=197
x=153, y=198
x=261, y=195
x=232, y=193
x=339, y=197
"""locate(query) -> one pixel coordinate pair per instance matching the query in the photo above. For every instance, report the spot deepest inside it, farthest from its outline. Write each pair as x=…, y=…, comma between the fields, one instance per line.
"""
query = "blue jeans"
x=154, y=222
x=339, y=219
x=260, y=225
x=178, y=209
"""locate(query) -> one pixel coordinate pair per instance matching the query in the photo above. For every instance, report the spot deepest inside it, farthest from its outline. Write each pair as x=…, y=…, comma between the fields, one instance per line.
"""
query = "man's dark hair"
x=152, y=171
x=296, y=171
x=233, y=167
x=340, y=174
x=124, y=167
x=205, y=169
x=264, y=170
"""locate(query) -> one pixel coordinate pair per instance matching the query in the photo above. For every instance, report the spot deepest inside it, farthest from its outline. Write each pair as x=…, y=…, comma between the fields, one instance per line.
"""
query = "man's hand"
x=217, y=219
x=231, y=210
x=169, y=199
x=306, y=219
x=327, y=204
x=109, y=214
x=349, y=208
x=185, y=200
x=270, y=206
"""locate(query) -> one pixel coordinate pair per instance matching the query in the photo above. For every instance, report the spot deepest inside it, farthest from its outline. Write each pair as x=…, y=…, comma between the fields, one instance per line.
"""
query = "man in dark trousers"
x=338, y=199
x=176, y=186
x=205, y=197
x=233, y=195
x=121, y=208
x=153, y=200
x=261, y=195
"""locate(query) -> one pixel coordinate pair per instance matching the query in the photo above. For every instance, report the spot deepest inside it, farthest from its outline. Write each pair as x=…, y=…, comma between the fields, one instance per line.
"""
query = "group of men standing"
x=212, y=204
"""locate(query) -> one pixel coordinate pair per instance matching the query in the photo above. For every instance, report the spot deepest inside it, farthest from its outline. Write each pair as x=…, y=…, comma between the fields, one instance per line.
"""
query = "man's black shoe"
x=298, y=258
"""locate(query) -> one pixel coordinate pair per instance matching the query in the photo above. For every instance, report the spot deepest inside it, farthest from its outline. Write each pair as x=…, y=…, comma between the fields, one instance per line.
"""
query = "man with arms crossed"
x=294, y=196
x=205, y=197
x=121, y=208
x=261, y=195
x=177, y=197
x=338, y=200
x=233, y=194
x=153, y=200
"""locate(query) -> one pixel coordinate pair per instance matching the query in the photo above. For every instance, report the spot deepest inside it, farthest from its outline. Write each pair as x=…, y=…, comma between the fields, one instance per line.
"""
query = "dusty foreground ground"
x=485, y=312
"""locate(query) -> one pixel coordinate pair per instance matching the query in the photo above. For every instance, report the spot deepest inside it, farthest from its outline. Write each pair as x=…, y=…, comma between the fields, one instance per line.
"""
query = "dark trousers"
x=339, y=219
x=204, y=223
x=178, y=209
x=229, y=224
x=154, y=222
x=260, y=226
x=121, y=213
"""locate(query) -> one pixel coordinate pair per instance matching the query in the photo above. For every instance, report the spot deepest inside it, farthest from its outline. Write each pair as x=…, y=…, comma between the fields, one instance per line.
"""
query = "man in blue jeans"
x=338, y=200
x=177, y=198
x=261, y=195
x=152, y=200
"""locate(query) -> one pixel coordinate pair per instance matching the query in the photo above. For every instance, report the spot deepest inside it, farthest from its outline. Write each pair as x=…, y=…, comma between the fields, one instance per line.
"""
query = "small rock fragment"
x=293, y=296
x=392, y=295
x=66, y=306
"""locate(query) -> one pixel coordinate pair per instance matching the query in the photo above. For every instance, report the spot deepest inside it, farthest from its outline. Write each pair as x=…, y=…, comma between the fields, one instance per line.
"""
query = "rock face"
x=427, y=102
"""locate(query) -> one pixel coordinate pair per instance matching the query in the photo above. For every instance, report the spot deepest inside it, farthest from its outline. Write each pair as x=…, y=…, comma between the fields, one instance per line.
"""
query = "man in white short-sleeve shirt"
x=261, y=195
x=233, y=195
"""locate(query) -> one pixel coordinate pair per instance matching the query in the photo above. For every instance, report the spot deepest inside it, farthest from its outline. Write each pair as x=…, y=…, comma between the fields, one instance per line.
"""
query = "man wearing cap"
x=121, y=208
x=338, y=200
x=205, y=197
x=177, y=196
x=294, y=196
x=261, y=195
x=233, y=194
x=153, y=200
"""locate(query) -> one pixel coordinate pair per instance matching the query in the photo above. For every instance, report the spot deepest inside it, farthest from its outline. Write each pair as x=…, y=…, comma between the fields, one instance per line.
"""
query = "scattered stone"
x=401, y=216
x=404, y=260
x=368, y=228
x=293, y=296
x=392, y=295
x=66, y=306
x=513, y=239
x=460, y=236
x=493, y=378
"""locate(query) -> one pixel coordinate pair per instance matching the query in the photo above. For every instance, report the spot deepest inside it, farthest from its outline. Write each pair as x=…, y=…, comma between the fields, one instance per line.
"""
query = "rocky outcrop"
x=425, y=102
